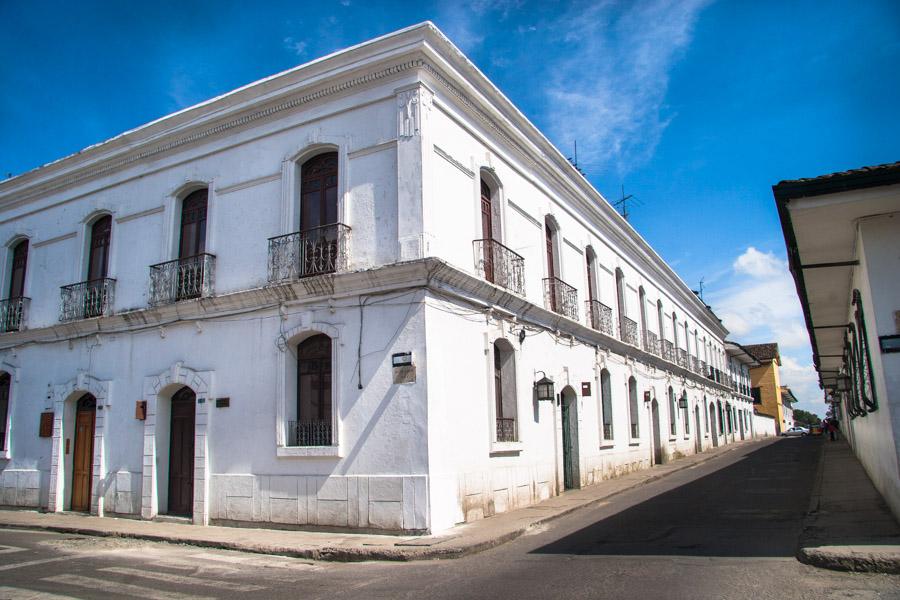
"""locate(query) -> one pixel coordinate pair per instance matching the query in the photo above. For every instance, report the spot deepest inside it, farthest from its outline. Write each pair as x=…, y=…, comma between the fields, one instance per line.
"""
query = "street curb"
x=857, y=561
x=357, y=554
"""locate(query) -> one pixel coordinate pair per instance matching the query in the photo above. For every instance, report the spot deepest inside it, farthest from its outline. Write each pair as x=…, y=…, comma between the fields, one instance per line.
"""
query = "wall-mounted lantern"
x=544, y=387
x=682, y=402
x=843, y=383
x=647, y=397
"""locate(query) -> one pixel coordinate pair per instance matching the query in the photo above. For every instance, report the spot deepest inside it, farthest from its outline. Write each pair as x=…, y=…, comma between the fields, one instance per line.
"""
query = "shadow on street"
x=752, y=508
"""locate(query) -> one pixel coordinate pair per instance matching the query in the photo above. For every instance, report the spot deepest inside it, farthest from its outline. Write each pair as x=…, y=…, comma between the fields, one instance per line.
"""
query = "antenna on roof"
x=622, y=203
x=574, y=159
x=701, y=287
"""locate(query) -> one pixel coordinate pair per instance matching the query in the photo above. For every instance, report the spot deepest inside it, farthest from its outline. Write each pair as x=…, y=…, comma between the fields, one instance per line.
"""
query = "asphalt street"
x=726, y=528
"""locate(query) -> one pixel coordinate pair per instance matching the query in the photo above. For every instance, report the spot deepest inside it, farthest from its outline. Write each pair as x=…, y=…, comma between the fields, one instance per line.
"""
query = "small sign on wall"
x=46, y=428
x=585, y=388
x=140, y=410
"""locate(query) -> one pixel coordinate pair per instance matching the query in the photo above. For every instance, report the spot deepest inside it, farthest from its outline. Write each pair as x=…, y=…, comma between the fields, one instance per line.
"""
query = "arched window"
x=98, y=248
x=705, y=416
x=687, y=338
x=505, y=397
x=660, y=321
x=642, y=298
x=314, y=411
x=675, y=330
x=598, y=316
x=318, y=191
x=5, y=380
x=687, y=414
x=18, y=267
x=606, y=404
x=15, y=305
x=673, y=414
x=193, y=224
x=633, y=408
x=620, y=295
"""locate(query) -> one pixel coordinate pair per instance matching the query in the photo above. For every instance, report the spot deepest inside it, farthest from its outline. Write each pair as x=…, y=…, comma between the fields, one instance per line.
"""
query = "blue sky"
x=696, y=107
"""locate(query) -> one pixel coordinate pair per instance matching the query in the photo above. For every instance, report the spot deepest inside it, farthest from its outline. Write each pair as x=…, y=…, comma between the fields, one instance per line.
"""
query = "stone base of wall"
x=602, y=468
x=486, y=493
x=23, y=487
x=123, y=493
x=386, y=503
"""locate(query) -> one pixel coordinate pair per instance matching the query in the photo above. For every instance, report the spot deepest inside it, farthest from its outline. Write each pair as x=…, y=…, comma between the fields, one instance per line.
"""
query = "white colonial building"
x=325, y=299
x=842, y=233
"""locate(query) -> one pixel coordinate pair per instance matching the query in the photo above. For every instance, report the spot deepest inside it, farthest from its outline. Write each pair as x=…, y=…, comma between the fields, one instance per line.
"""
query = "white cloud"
x=298, y=47
x=609, y=93
x=758, y=303
x=758, y=264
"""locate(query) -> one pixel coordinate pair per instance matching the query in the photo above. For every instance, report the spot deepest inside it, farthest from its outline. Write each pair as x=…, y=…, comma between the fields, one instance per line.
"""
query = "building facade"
x=842, y=233
x=765, y=381
x=326, y=298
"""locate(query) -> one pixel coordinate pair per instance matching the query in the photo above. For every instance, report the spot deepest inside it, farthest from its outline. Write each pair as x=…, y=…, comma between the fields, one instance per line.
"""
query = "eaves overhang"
x=819, y=219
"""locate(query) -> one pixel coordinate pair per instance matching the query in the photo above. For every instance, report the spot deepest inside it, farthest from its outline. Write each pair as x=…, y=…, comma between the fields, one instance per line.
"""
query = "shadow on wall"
x=753, y=508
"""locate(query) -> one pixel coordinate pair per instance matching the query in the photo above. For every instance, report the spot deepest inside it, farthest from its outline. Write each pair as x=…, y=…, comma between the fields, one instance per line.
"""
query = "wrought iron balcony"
x=629, y=331
x=87, y=299
x=600, y=317
x=507, y=430
x=668, y=351
x=651, y=343
x=561, y=298
x=607, y=431
x=316, y=251
x=704, y=369
x=635, y=431
x=309, y=433
x=695, y=364
x=14, y=313
x=182, y=279
x=683, y=359
x=500, y=265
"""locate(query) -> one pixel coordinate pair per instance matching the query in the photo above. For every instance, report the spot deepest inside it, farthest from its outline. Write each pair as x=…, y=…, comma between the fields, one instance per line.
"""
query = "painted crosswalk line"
x=125, y=589
x=183, y=579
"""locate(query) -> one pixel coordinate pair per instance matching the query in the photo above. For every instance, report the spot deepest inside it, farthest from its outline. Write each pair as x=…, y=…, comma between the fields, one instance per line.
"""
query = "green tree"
x=806, y=419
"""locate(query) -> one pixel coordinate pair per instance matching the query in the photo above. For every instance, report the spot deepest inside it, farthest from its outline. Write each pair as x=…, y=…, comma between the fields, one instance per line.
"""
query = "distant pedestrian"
x=832, y=429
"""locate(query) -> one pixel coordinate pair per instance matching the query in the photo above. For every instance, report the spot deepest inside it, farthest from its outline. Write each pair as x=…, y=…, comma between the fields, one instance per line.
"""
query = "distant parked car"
x=815, y=430
x=796, y=431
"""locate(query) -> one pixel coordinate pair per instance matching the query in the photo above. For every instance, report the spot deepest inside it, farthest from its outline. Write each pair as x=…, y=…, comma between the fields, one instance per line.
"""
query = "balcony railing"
x=182, y=279
x=507, y=430
x=316, y=251
x=561, y=298
x=309, y=433
x=599, y=317
x=87, y=299
x=683, y=359
x=695, y=364
x=651, y=343
x=668, y=351
x=629, y=331
x=635, y=431
x=704, y=368
x=500, y=265
x=14, y=313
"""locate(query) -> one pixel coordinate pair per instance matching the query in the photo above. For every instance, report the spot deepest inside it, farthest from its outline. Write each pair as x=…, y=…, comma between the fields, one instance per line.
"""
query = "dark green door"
x=570, y=441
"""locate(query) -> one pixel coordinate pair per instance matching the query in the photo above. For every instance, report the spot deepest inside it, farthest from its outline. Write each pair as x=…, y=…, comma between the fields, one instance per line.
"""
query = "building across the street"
x=788, y=400
x=766, y=382
x=366, y=292
x=843, y=240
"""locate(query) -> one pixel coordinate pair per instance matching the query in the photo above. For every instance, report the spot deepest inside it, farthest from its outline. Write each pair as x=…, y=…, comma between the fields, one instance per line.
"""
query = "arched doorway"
x=657, y=453
x=181, y=453
x=713, y=425
x=571, y=476
x=698, y=444
x=83, y=453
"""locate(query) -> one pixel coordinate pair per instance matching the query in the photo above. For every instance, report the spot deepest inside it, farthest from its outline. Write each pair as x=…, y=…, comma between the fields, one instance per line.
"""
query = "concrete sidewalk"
x=848, y=526
x=459, y=541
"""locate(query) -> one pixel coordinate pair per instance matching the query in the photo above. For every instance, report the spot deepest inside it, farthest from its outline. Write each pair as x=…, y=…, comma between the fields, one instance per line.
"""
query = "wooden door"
x=487, y=231
x=181, y=453
x=193, y=225
x=551, y=266
x=83, y=453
